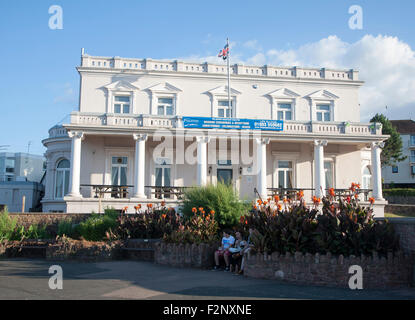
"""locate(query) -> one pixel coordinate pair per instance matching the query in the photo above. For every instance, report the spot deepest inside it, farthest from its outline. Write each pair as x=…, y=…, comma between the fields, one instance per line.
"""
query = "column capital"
x=140, y=137
x=377, y=144
x=76, y=134
x=202, y=139
x=263, y=140
x=320, y=143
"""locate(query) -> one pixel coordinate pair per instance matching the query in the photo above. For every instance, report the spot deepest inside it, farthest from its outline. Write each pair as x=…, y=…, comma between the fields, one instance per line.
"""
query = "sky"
x=39, y=84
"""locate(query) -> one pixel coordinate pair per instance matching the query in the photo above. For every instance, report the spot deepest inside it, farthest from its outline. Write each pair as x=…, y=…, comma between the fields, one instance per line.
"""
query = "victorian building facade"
x=146, y=129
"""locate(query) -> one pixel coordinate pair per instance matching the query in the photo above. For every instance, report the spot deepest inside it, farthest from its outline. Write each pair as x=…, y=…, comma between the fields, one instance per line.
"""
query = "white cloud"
x=385, y=63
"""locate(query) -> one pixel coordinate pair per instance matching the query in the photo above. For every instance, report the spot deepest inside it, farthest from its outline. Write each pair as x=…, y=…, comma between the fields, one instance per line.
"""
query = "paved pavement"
x=28, y=279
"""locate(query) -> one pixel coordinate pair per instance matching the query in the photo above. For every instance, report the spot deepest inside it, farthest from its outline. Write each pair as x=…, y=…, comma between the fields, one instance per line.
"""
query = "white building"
x=155, y=126
x=402, y=175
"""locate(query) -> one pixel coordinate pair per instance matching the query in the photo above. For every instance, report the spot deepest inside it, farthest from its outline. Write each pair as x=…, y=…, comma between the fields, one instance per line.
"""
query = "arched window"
x=62, y=178
x=366, y=178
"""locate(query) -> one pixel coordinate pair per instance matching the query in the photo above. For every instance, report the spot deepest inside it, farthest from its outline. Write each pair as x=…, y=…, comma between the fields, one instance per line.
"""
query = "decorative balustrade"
x=236, y=69
x=290, y=127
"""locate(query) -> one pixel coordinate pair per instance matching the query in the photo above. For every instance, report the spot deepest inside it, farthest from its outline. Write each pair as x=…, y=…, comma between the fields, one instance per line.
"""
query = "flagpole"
x=229, y=79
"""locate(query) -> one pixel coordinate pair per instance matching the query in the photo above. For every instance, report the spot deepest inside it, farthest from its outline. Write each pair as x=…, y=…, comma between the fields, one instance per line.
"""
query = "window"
x=165, y=106
x=121, y=104
x=323, y=112
x=10, y=163
x=284, y=111
x=285, y=174
x=328, y=170
x=62, y=178
x=224, y=111
x=394, y=169
x=367, y=178
x=412, y=155
x=412, y=141
x=413, y=170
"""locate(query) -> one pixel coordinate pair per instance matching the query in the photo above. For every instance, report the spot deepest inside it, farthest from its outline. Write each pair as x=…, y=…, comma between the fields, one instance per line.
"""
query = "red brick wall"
x=189, y=255
x=327, y=270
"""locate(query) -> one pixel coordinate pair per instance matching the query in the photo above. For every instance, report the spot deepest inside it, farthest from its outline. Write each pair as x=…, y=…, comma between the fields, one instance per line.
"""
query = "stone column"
x=262, y=166
x=377, y=170
x=320, y=177
x=202, y=160
x=139, y=165
x=74, y=183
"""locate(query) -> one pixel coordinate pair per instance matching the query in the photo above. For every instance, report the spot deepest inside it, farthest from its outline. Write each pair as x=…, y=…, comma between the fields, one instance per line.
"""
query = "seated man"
x=236, y=253
x=223, y=251
x=245, y=250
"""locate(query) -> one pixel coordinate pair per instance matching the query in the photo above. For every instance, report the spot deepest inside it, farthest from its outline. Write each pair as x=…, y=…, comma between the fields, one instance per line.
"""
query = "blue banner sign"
x=232, y=123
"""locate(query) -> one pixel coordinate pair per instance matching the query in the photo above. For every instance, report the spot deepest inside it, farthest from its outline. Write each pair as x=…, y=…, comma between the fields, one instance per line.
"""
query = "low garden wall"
x=396, y=199
x=327, y=270
x=188, y=255
x=401, y=209
x=405, y=228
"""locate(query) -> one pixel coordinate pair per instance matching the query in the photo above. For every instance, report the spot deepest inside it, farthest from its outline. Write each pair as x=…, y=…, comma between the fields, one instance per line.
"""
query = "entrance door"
x=119, y=176
x=225, y=176
x=163, y=179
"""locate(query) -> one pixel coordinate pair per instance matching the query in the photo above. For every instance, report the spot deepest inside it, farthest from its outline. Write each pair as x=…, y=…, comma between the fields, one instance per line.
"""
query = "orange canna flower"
x=331, y=192
x=212, y=212
x=265, y=203
x=149, y=205
x=255, y=207
x=276, y=198
x=163, y=216
x=194, y=210
x=372, y=200
x=200, y=209
x=259, y=201
x=279, y=207
x=285, y=200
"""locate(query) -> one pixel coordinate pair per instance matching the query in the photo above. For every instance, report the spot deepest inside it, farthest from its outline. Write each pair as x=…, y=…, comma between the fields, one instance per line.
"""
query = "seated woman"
x=236, y=253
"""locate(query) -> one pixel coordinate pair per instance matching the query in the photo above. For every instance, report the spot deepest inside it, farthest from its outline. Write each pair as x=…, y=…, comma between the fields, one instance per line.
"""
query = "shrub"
x=403, y=192
x=340, y=227
x=34, y=231
x=222, y=199
x=68, y=228
x=95, y=228
x=200, y=228
x=150, y=224
x=7, y=226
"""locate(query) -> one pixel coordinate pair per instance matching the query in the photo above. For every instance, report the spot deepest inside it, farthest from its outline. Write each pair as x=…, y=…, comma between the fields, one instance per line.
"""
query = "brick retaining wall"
x=327, y=270
x=189, y=255
x=27, y=219
x=405, y=228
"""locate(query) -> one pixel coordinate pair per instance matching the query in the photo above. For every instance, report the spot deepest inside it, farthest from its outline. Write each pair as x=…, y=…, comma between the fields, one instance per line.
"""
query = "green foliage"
x=342, y=227
x=7, y=226
x=67, y=228
x=392, y=152
x=403, y=192
x=96, y=227
x=10, y=230
x=34, y=231
x=221, y=198
x=151, y=224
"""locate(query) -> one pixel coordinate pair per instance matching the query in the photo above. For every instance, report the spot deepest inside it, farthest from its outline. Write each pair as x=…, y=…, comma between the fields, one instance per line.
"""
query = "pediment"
x=164, y=87
x=283, y=93
x=121, y=85
x=322, y=95
x=223, y=90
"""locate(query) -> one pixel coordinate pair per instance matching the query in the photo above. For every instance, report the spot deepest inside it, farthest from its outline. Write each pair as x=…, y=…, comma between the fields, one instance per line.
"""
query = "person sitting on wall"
x=223, y=251
x=236, y=250
x=249, y=245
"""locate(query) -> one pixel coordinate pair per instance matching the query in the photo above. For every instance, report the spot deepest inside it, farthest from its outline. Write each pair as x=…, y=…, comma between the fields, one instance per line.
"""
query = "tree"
x=392, y=152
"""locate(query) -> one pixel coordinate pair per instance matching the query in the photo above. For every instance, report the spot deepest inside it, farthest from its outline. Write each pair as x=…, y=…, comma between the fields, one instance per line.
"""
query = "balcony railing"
x=290, y=127
x=291, y=193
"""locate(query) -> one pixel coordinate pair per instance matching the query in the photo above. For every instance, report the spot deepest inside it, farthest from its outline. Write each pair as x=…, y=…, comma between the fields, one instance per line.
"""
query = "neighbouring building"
x=12, y=193
x=145, y=129
x=402, y=174
x=21, y=167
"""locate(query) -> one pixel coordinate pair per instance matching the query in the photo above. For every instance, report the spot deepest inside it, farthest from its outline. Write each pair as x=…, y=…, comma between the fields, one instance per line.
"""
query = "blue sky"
x=39, y=83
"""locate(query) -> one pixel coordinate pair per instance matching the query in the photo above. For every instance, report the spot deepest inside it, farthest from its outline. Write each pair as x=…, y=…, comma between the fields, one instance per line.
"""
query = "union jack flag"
x=224, y=52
